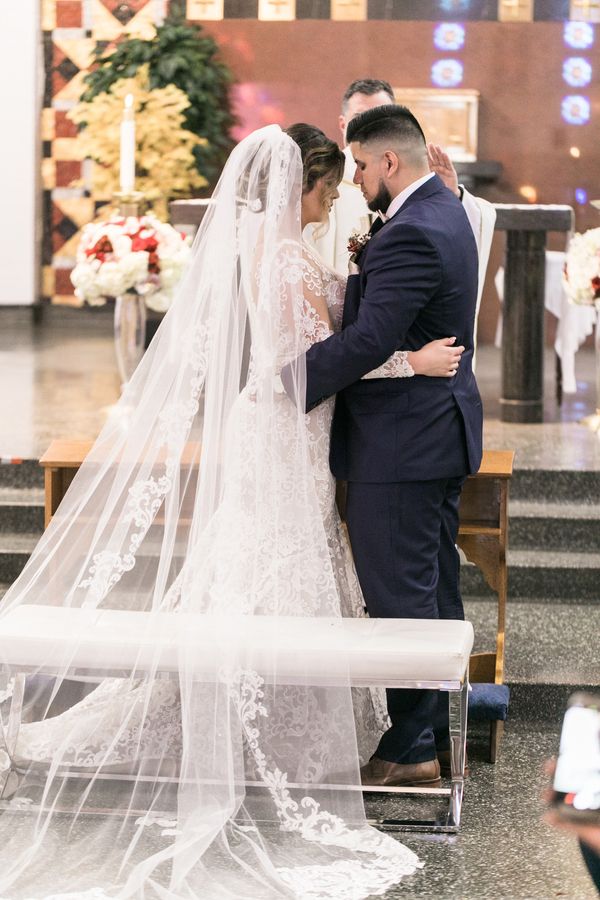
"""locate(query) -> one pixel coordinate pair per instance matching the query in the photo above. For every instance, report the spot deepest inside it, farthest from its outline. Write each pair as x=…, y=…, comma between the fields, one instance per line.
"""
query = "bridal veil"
x=194, y=512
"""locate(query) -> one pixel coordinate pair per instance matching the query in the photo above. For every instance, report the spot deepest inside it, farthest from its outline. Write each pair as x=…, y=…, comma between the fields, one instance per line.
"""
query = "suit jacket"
x=418, y=282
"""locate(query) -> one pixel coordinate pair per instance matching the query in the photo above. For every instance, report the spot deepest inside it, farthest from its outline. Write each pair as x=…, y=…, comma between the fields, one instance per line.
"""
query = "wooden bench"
x=401, y=653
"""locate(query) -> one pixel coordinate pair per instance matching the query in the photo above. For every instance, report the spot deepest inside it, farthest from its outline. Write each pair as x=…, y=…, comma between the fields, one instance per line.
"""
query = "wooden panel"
x=480, y=501
x=482, y=668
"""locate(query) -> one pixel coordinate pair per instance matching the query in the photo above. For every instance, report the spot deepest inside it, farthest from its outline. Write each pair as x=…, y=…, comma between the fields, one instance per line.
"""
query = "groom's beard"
x=381, y=200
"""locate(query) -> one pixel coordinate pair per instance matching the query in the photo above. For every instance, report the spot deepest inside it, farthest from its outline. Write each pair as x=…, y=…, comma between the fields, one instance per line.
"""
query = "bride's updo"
x=321, y=157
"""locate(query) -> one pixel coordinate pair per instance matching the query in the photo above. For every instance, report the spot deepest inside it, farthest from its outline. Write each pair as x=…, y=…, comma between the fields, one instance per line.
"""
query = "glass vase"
x=130, y=333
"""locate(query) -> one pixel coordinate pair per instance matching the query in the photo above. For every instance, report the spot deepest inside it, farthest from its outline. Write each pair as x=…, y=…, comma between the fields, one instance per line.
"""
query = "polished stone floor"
x=504, y=851
x=59, y=379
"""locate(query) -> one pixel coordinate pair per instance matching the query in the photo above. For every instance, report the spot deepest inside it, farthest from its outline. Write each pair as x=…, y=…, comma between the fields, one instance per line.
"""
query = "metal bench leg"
x=448, y=819
x=9, y=732
x=458, y=706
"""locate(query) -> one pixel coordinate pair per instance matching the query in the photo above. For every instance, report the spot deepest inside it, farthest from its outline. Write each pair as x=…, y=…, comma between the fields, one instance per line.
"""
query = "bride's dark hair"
x=321, y=157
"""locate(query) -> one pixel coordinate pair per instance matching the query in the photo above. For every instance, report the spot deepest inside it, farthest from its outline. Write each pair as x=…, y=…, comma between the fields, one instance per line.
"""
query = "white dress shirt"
x=403, y=196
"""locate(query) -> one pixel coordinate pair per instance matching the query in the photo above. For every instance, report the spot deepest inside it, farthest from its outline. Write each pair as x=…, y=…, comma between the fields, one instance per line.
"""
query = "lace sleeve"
x=321, y=281
x=397, y=366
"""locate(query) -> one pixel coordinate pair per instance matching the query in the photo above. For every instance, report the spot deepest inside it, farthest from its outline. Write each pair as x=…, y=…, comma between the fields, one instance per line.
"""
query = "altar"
x=574, y=323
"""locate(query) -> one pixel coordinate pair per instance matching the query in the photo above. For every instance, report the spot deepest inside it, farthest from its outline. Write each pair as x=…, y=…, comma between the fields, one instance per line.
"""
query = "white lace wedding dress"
x=208, y=499
x=92, y=722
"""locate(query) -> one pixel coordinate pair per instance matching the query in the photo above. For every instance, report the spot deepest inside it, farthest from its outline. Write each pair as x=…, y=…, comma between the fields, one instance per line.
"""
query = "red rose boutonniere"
x=356, y=244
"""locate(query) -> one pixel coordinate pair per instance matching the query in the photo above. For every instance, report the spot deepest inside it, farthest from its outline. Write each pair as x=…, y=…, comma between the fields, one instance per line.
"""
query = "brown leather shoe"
x=444, y=761
x=380, y=773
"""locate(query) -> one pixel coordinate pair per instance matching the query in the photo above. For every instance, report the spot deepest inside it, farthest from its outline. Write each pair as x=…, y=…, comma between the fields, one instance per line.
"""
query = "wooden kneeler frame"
x=483, y=537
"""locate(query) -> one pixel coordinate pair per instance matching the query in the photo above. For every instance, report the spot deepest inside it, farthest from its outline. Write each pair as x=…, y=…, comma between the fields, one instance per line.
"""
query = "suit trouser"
x=403, y=538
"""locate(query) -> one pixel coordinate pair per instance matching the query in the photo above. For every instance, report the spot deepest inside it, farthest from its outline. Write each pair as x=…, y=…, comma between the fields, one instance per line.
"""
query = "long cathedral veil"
x=198, y=769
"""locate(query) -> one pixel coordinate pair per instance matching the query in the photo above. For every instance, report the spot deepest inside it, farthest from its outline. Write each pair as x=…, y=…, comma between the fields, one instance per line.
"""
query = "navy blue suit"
x=405, y=445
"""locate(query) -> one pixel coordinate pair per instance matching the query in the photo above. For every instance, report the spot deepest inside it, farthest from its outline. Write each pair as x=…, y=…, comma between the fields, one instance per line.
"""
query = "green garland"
x=182, y=55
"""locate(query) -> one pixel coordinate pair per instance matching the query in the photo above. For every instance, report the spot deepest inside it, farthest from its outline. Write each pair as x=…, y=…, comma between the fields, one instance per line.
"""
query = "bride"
x=152, y=787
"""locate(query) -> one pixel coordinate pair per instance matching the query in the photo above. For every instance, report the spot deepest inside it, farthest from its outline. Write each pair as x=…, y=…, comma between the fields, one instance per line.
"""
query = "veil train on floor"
x=177, y=785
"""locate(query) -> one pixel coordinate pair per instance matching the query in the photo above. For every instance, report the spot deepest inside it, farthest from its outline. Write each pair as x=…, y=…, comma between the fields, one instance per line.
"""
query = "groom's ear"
x=342, y=124
x=391, y=163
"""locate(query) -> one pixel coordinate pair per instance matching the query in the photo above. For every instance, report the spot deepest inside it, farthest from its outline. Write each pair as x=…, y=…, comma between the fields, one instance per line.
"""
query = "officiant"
x=350, y=212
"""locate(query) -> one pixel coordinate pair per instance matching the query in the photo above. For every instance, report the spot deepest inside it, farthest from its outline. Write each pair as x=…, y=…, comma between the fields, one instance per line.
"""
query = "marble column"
x=523, y=316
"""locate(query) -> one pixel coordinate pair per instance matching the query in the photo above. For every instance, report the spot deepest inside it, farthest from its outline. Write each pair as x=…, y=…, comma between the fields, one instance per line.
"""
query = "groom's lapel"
x=355, y=285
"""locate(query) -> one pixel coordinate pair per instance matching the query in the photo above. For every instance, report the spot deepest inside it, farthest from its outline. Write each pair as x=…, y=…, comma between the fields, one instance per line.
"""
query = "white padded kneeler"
x=370, y=652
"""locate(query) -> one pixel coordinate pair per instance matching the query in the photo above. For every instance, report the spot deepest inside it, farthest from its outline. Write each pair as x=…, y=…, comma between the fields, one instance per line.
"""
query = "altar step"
x=554, y=526
x=21, y=515
x=554, y=543
x=563, y=576
x=21, y=510
x=25, y=474
x=555, y=485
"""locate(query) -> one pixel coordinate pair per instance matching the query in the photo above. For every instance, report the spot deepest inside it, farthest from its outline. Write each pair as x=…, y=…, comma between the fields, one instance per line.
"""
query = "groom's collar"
x=401, y=198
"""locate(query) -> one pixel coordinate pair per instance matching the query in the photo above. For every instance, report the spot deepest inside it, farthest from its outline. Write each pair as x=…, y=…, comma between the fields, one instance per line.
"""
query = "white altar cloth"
x=575, y=323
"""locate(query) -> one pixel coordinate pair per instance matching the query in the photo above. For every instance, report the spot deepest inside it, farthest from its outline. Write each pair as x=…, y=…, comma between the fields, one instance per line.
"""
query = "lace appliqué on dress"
x=336, y=880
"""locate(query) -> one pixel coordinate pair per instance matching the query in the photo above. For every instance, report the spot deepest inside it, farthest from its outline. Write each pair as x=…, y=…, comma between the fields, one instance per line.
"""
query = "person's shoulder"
x=401, y=233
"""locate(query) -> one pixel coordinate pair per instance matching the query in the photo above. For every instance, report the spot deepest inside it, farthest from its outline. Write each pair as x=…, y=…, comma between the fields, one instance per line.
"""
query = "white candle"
x=127, y=169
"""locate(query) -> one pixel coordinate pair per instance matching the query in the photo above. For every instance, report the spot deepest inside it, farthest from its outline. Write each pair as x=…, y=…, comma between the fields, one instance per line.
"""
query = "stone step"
x=556, y=485
x=15, y=550
x=546, y=642
x=554, y=526
x=557, y=575
x=21, y=510
x=25, y=474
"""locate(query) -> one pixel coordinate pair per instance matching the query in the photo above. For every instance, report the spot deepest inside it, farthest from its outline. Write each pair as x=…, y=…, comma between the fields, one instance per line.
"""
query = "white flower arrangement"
x=582, y=269
x=130, y=255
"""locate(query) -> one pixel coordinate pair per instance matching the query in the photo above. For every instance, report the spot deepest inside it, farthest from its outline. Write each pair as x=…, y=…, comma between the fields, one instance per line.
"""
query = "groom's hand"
x=441, y=164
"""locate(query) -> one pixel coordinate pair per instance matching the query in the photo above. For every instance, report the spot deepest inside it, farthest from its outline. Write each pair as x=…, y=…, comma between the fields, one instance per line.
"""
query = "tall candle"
x=127, y=169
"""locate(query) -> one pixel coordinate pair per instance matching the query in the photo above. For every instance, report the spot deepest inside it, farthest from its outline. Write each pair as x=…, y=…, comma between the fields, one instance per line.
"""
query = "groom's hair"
x=367, y=86
x=393, y=125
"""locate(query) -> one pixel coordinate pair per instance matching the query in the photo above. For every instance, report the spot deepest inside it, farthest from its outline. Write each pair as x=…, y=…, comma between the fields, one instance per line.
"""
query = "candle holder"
x=130, y=203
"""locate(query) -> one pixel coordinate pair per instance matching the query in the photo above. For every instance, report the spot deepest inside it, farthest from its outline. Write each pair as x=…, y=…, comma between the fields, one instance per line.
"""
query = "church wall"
x=297, y=71
x=294, y=71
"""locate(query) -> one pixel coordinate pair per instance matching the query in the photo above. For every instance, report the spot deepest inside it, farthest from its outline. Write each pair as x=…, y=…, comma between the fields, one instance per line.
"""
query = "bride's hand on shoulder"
x=439, y=359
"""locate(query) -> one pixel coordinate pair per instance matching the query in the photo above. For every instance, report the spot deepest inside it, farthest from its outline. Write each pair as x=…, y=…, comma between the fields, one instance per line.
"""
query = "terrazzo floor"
x=59, y=379
x=504, y=850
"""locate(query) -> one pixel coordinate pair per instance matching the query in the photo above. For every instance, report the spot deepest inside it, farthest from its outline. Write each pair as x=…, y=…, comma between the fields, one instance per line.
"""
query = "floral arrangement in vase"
x=133, y=255
x=582, y=268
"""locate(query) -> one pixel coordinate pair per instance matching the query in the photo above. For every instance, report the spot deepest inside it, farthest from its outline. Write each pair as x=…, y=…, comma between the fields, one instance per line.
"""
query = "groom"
x=406, y=445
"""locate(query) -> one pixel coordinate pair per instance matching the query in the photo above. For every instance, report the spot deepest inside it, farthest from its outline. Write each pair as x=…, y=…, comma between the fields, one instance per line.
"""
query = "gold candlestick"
x=130, y=203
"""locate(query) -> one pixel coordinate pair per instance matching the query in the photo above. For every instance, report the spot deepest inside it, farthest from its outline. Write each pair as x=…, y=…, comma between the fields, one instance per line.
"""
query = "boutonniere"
x=357, y=243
